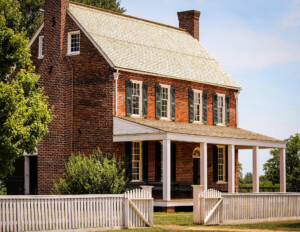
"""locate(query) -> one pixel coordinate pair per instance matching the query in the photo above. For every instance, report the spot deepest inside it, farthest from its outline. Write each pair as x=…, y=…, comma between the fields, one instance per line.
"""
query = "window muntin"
x=165, y=101
x=74, y=42
x=41, y=47
x=136, y=98
x=197, y=106
x=221, y=109
x=221, y=163
x=136, y=161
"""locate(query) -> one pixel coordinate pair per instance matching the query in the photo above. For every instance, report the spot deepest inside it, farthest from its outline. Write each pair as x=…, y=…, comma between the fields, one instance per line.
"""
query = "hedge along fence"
x=40, y=213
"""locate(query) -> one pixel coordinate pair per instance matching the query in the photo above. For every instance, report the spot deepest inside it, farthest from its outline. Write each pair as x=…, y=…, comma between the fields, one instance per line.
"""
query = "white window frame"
x=41, y=47
x=224, y=164
x=140, y=99
x=140, y=161
x=223, y=109
x=168, y=103
x=201, y=106
x=69, y=43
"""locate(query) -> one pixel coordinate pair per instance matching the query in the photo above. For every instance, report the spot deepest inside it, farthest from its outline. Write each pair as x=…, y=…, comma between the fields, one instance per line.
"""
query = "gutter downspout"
x=236, y=95
x=116, y=77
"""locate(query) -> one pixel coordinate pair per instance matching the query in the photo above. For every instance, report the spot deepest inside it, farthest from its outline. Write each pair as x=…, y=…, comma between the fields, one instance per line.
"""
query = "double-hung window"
x=221, y=163
x=136, y=161
x=74, y=43
x=165, y=101
x=197, y=106
x=41, y=47
x=136, y=98
x=221, y=109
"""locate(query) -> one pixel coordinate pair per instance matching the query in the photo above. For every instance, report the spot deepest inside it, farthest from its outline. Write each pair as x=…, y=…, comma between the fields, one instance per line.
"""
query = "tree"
x=33, y=16
x=95, y=174
x=24, y=112
x=241, y=180
x=248, y=178
x=272, y=166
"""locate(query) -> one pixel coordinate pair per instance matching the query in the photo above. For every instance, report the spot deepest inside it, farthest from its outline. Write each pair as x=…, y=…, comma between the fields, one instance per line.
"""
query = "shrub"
x=97, y=173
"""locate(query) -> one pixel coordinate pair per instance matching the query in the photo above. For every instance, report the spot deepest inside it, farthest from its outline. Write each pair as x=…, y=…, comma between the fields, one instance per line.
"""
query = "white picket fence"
x=212, y=207
x=40, y=213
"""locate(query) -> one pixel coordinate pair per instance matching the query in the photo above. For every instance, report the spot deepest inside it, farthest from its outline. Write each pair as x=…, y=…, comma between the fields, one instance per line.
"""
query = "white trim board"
x=173, y=203
x=35, y=35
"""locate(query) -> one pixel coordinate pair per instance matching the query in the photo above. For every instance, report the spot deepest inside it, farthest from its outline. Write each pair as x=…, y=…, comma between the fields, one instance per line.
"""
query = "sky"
x=258, y=43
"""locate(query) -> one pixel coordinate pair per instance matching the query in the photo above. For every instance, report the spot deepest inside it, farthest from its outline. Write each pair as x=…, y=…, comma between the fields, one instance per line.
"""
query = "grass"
x=178, y=219
x=280, y=225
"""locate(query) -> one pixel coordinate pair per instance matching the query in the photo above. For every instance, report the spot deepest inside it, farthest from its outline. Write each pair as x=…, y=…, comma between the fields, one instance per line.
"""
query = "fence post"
x=126, y=211
x=197, y=189
x=148, y=189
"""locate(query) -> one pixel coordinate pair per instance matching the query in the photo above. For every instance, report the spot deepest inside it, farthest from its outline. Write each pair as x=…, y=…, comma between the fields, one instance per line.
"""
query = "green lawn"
x=178, y=219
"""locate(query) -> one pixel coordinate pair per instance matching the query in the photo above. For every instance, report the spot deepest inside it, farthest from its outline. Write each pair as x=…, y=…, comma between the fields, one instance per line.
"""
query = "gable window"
x=74, y=43
x=41, y=47
x=221, y=109
x=136, y=161
x=221, y=164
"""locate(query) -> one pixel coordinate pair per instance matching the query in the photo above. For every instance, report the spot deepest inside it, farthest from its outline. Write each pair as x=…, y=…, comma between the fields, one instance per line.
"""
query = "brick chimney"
x=55, y=21
x=189, y=20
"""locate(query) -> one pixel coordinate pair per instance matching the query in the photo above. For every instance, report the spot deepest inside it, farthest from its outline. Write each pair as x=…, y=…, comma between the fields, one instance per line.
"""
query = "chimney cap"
x=189, y=14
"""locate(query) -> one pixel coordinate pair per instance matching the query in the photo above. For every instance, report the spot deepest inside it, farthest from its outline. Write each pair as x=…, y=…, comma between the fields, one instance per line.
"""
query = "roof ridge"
x=127, y=16
x=182, y=53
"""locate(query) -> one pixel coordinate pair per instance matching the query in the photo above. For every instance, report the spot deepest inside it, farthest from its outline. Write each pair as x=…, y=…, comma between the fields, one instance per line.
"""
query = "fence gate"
x=211, y=207
x=138, y=209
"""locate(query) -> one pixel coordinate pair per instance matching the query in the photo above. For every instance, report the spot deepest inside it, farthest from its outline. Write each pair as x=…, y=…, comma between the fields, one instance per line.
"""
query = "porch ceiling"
x=131, y=127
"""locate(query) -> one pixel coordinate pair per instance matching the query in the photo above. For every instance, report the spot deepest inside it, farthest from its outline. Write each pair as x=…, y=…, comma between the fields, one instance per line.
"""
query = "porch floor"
x=173, y=202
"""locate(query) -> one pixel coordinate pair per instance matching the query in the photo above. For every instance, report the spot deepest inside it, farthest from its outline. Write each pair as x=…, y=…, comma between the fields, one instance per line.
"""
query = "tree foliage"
x=248, y=178
x=33, y=16
x=24, y=112
x=95, y=174
x=272, y=166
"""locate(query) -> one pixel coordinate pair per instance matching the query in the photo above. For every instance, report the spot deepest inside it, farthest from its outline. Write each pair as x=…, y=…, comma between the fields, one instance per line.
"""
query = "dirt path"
x=213, y=228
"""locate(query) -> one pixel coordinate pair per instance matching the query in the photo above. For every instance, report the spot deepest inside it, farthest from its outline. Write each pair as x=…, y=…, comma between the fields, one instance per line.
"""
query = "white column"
x=203, y=165
x=166, y=170
x=255, y=170
x=282, y=170
x=26, y=175
x=231, y=168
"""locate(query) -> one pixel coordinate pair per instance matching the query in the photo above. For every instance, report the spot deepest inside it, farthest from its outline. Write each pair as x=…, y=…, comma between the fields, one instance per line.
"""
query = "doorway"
x=196, y=166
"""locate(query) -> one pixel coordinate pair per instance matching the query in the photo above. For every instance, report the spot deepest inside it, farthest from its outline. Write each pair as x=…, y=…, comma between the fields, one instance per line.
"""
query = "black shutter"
x=191, y=105
x=173, y=105
x=158, y=101
x=128, y=93
x=173, y=162
x=158, y=161
x=145, y=161
x=128, y=161
x=226, y=164
x=227, y=107
x=215, y=163
x=215, y=108
x=145, y=100
x=204, y=107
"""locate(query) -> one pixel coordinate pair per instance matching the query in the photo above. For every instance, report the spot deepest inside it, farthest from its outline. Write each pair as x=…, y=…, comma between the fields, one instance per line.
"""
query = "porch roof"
x=139, y=126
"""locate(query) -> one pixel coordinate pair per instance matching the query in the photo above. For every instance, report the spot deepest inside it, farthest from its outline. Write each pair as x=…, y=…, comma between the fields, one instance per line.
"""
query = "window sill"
x=40, y=57
x=166, y=119
x=73, y=54
x=136, y=116
x=220, y=124
x=221, y=182
x=136, y=181
x=196, y=122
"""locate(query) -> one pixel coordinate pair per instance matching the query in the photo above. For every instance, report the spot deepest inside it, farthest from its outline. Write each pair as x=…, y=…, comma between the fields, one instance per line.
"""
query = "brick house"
x=141, y=89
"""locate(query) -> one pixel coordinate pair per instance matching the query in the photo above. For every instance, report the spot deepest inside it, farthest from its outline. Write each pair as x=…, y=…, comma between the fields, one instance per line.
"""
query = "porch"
x=206, y=138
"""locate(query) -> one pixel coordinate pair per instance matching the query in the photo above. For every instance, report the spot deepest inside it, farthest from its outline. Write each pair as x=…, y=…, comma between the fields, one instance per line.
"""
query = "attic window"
x=41, y=47
x=74, y=43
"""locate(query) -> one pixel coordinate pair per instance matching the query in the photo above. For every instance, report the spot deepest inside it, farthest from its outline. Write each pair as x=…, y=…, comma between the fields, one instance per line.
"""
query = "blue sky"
x=258, y=43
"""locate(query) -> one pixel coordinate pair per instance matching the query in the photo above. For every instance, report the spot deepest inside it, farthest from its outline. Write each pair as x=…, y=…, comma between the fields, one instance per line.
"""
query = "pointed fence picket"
x=69, y=212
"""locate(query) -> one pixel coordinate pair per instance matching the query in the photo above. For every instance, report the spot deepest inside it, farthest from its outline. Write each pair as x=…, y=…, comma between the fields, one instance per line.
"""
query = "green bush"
x=97, y=173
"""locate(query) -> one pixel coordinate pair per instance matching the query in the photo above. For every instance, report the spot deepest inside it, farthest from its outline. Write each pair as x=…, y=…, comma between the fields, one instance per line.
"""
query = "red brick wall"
x=182, y=88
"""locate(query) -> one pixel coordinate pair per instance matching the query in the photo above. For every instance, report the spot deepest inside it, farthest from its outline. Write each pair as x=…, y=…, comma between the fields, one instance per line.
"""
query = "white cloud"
x=292, y=18
x=242, y=48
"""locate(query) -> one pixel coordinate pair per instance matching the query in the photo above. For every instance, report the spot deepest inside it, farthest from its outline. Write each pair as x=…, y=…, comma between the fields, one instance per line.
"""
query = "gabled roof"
x=133, y=44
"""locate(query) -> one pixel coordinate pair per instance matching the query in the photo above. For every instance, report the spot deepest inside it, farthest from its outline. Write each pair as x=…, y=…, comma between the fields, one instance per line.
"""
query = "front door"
x=196, y=171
